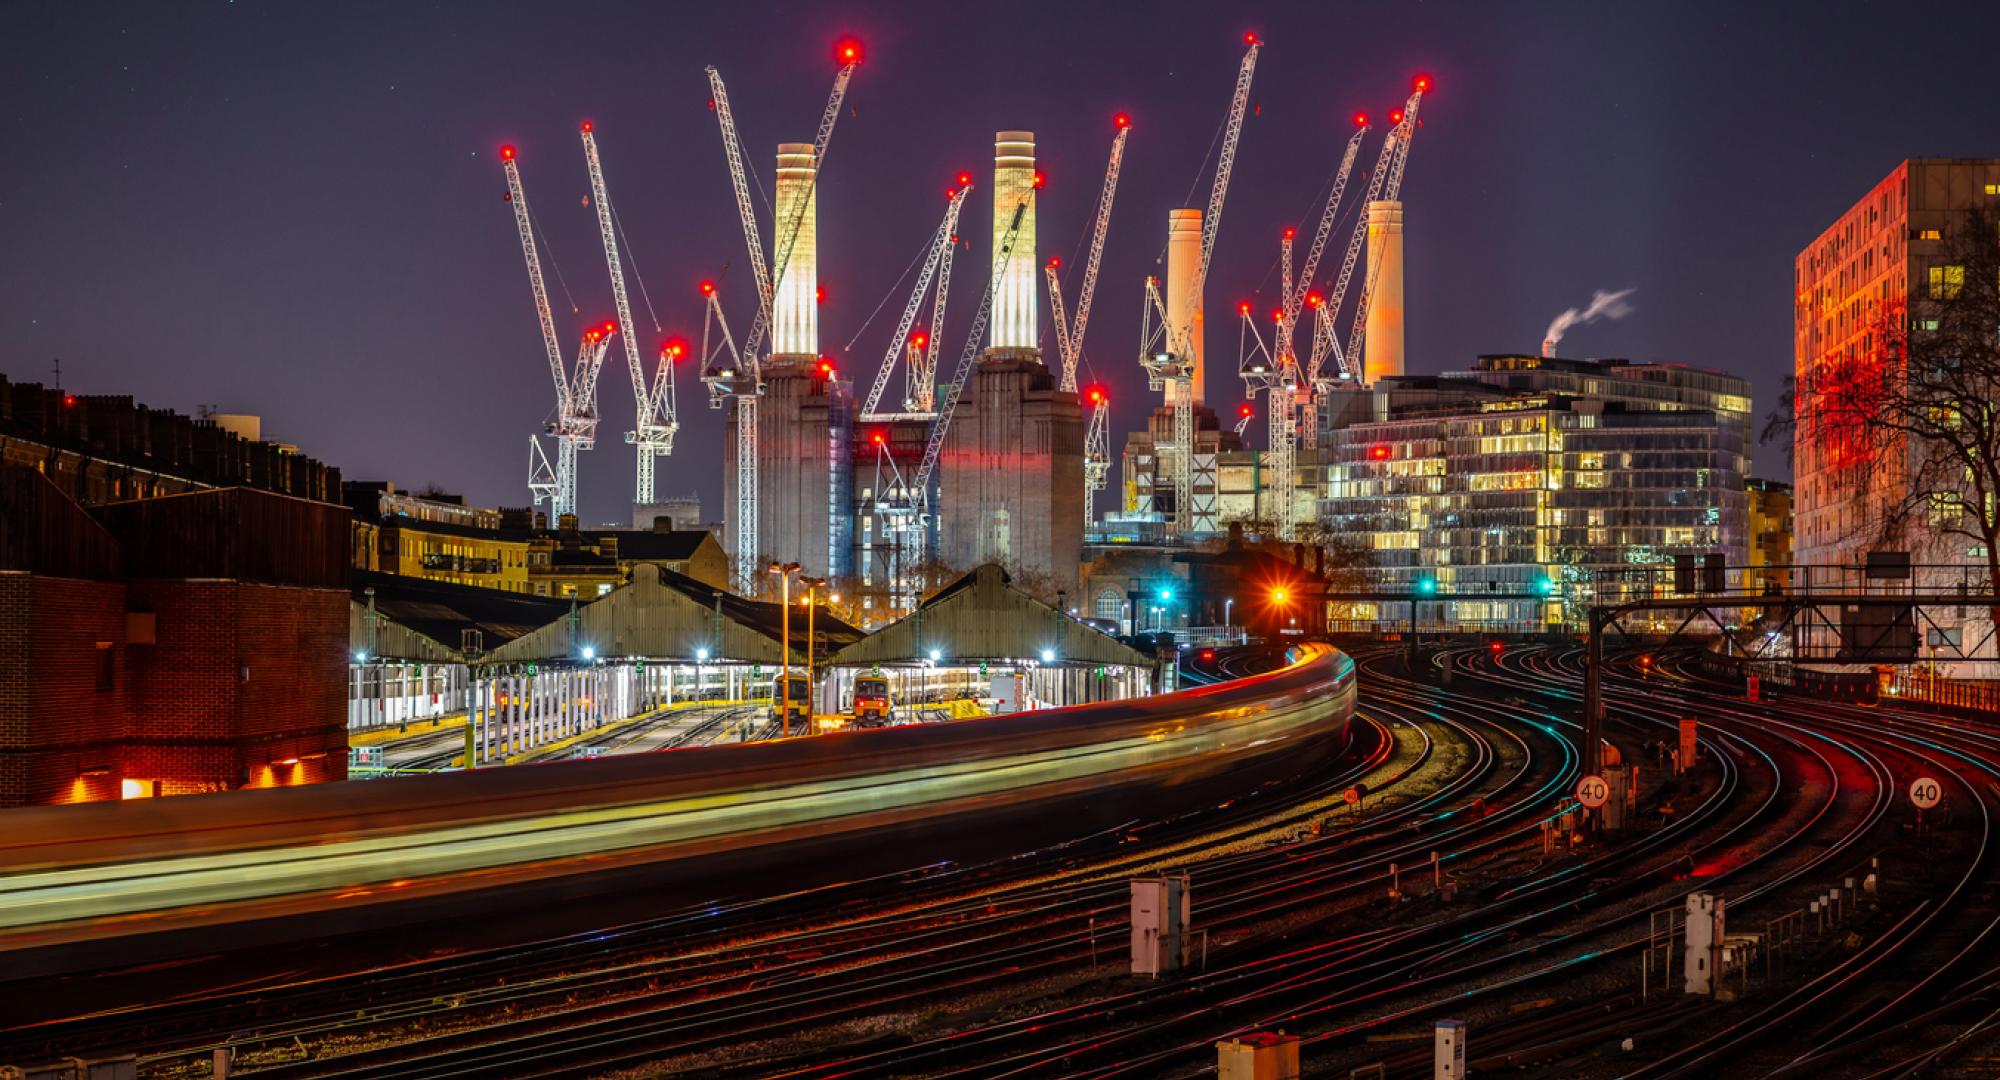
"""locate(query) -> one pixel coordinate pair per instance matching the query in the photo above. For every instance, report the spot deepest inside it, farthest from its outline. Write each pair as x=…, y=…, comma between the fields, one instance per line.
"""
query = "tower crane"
x=915, y=346
x=1307, y=392
x=575, y=423
x=914, y=498
x=1069, y=341
x=657, y=420
x=1172, y=369
x=743, y=382
x=1401, y=124
x=1399, y=144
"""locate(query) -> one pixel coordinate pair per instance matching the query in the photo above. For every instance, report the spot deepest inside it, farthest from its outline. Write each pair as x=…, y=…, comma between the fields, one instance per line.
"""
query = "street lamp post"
x=811, y=602
x=785, y=572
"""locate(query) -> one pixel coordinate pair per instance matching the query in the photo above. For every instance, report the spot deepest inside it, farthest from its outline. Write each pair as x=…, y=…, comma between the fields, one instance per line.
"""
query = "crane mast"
x=575, y=423
x=920, y=380
x=1071, y=341
x=1172, y=369
x=652, y=434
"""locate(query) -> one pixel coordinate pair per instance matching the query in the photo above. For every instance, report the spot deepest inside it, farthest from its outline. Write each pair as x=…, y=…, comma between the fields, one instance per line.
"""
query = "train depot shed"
x=983, y=637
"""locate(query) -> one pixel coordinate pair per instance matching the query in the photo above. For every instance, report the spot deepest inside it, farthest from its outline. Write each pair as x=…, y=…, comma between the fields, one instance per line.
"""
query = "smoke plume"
x=1603, y=305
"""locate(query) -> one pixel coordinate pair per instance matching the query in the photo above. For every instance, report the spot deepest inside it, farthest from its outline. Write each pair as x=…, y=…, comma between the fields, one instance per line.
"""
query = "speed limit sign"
x=1926, y=792
x=1593, y=791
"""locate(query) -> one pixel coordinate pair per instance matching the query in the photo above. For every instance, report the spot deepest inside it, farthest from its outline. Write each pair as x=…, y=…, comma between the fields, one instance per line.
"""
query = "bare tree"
x=1907, y=423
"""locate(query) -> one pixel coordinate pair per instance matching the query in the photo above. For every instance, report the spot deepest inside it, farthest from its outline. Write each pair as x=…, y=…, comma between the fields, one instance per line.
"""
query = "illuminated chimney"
x=1184, y=306
x=1382, y=350
x=795, y=316
x=1014, y=294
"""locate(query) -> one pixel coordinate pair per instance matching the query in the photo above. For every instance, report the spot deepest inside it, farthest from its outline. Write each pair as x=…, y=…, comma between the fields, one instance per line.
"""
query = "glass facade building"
x=1528, y=486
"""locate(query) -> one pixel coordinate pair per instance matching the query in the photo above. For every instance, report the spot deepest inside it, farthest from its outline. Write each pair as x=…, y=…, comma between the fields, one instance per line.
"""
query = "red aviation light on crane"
x=1246, y=410
x=1395, y=116
x=506, y=153
x=1314, y=299
x=1250, y=38
x=1422, y=83
x=708, y=288
x=1278, y=315
x=1055, y=262
x=826, y=367
x=1096, y=395
x=1040, y=179
x=1290, y=232
x=1243, y=308
x=847, y=51
x=587, y=128
x=877, y=438
x=964, y=179
x=673, y=348
x=918, y=339
x=1361, y=119
x=1379, y=452
x=609, y=327
x=1121, y=121
x=819, y=295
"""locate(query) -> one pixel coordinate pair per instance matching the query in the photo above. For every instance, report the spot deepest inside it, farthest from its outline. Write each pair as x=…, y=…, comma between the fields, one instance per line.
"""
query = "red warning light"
x=877, y=439
x=1290, y=232
x=1246, y=410
x=1250, y=38
x=1039, y=178
x=1395, y=116
x=1055, y=261
x=826, y=367
x=847, y=51
x=708, y=288
x=506, y=153
x=1278, y=315
x=69, y=400
x=609, y=327
x=586, y=127
x=918, y=339
x=1361, y=119
x=1422, y=83
x=1121, y=121
x=819, y=295
x=1208, y=654
x=1314, y=299
x=674, y=349
x=1243, y=308
x=965, y=179
x=1096, y=395
x=1378, y=452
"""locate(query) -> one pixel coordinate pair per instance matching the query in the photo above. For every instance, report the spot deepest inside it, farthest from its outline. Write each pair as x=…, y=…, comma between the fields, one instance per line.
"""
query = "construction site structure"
x=574, y=419
x=657, y=417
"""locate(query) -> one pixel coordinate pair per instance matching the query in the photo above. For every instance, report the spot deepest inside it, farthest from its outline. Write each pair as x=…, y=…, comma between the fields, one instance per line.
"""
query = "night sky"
x=295, y=209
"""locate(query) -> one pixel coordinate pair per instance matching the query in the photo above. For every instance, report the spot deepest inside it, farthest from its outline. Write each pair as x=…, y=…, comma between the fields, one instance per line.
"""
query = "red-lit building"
x=190, y=643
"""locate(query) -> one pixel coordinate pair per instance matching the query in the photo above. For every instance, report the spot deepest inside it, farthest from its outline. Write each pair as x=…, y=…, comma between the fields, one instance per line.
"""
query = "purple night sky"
x=295, y=209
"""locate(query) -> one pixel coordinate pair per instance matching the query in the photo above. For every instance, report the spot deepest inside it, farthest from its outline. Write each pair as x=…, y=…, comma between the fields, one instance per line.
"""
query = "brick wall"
x=57, y=720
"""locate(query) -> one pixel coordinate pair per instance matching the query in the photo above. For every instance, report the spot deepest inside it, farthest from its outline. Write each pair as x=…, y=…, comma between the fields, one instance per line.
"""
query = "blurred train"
x=117, y=883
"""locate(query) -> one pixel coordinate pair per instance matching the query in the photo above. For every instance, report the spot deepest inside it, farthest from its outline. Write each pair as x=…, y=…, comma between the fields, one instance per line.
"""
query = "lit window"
x=603, y=588
x=1993, y=189
x=1927, y=324
x=1929, y=234
x=1947, y=282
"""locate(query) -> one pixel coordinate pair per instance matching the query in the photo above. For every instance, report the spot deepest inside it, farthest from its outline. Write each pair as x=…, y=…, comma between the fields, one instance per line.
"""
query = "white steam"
x=1603, y=305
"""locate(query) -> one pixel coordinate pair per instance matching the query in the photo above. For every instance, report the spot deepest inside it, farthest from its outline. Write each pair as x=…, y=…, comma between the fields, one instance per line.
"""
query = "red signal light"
x=847, y=51
x=674, y=349
x=1243, y=308
x=1290, y=232
x=965, y=179
x=586, y=127
x=1314, y=299
x=1423, y=82
x=1246, y=410
x=708, y=288
x=1208, y=654
x=918, y=339
x=1055, y=261
x=1121, y=120
x=1250, y=38
x=1395, y=116
x=1278, y=315
x=506, y=153
x=609, y=327
x=1096, y=395
x=1361, y=119
x=1379, y=452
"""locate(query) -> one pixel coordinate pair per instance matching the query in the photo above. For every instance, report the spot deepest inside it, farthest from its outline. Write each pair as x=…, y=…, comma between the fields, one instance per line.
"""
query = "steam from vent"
x=1603, y=305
